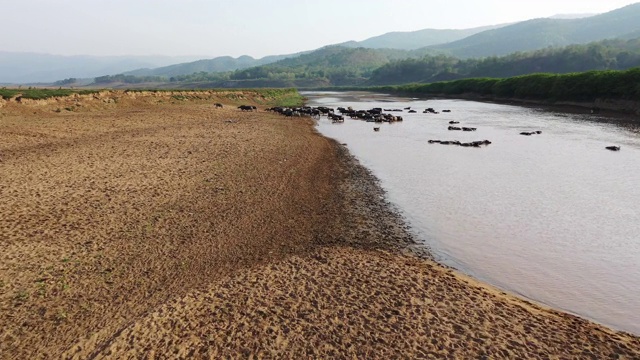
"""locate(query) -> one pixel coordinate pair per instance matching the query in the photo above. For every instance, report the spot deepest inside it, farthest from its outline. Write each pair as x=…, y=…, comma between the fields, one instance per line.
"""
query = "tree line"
x=585, y=86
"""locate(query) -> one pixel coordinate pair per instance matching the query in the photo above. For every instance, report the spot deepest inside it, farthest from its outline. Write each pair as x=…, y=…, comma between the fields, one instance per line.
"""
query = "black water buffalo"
x=529, y=133
x=246, y=107
x=335, y=118
x=613, y=148
x=376, y=129
x=454, y=122
x=218, y=105
x=456, y=142
x=454, y=128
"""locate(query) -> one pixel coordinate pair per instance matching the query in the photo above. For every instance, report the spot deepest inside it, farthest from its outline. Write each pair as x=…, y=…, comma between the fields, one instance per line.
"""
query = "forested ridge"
x=339, y=66
x=616, y=54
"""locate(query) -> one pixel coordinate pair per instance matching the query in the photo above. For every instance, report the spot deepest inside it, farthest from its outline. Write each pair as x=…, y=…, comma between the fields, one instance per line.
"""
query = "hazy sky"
x=252, y=27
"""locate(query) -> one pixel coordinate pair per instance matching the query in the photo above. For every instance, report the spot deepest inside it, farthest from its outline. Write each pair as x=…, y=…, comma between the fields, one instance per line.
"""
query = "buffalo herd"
x=378, y=115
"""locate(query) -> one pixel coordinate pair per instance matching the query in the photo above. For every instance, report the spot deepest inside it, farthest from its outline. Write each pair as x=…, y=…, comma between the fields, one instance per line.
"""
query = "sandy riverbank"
x=155, y=228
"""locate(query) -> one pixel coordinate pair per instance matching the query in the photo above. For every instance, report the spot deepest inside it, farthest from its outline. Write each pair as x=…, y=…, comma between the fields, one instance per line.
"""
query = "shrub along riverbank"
x=616, y=90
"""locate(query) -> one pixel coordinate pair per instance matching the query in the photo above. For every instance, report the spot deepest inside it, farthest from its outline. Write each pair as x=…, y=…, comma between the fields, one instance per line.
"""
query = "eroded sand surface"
x=156, y=226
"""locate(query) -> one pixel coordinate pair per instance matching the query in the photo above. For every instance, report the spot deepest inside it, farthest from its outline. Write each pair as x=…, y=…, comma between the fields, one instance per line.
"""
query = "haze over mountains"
x=16, y=67
x=540, y=33
x=479, y=42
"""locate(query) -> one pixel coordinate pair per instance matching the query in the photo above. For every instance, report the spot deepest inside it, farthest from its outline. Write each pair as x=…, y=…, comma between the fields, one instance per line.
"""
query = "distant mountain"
x=411, y=40
x=571, y=16
x=218, y=64
x=20, y=68
x=541, y=33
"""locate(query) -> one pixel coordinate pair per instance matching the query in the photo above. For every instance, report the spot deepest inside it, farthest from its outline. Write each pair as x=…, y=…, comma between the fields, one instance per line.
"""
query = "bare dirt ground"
x=156, y=226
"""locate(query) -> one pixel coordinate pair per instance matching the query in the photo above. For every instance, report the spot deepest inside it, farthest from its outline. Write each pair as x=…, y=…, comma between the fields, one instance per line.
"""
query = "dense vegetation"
x=586, y=86
x=614, y=54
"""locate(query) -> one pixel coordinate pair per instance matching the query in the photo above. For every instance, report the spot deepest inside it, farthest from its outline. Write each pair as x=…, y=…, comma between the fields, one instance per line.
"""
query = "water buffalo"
x=246, y=107
x=454, y=122
x=613, y=148
x=454, y=128
x=529, y=133
x=218, y=105
x=468, y=129
x=376, y=129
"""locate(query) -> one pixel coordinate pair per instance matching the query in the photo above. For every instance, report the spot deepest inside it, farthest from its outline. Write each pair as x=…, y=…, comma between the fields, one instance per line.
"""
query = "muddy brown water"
x=553, y=217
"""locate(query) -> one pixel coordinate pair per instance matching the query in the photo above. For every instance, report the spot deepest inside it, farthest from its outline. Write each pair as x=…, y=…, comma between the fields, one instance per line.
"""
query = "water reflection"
x=554, y=217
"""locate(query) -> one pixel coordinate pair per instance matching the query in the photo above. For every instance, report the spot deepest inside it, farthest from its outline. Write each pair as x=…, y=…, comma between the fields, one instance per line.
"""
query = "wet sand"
x=150, y=226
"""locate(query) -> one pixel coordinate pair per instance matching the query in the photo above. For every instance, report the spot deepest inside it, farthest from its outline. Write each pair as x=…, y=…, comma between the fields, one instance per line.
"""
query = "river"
x=553, y=217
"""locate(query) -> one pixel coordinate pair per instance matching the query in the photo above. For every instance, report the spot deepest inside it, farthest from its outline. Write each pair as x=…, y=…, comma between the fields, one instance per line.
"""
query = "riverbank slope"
x=162, y=227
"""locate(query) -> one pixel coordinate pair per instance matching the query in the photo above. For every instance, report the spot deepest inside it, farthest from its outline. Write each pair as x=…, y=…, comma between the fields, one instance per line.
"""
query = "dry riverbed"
x=157, y=226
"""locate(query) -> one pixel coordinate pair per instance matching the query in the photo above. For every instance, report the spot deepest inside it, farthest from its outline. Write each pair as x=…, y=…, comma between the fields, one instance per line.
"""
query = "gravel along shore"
x=156, y=226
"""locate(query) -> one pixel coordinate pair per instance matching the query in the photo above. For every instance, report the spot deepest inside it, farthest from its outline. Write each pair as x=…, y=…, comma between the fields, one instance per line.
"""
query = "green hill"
x=541, y=33
x=218, y=64
x=332, y=65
